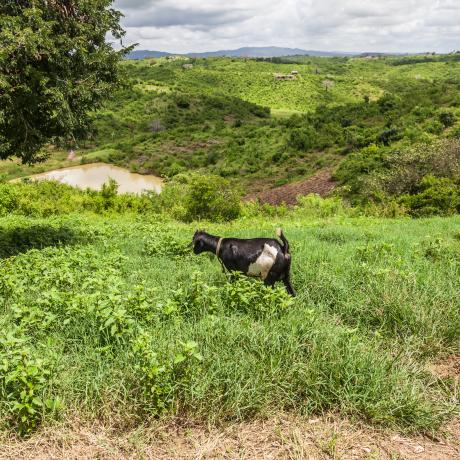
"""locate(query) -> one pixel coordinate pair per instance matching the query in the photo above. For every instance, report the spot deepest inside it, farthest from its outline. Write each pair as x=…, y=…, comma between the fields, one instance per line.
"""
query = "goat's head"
x=199, y=242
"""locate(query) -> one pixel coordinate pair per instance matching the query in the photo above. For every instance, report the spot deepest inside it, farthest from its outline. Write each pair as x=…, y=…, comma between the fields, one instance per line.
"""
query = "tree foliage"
x=55, y=67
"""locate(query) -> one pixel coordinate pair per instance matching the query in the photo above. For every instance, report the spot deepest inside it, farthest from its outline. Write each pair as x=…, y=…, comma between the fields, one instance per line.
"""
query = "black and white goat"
x=261, y=257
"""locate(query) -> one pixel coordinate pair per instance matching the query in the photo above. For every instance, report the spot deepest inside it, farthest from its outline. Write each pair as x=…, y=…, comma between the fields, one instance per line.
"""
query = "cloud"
x=348, y=25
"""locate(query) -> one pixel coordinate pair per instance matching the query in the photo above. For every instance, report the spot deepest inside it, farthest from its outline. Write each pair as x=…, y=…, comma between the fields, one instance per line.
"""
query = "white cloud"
x=346, y=25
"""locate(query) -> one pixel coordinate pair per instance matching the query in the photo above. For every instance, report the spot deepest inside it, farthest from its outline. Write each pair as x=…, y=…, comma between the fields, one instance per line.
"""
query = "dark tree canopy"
x=55, y=67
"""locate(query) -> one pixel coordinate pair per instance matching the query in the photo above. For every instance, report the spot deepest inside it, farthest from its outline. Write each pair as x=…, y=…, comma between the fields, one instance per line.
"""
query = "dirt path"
x=281, y=437
x=321, y=183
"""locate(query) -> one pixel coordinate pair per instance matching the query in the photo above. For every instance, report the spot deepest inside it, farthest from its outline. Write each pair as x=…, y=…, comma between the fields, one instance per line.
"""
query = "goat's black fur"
x=238, y=255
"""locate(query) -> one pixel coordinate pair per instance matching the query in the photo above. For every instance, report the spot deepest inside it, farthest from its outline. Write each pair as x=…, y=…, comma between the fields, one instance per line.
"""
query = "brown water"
x=95, y=174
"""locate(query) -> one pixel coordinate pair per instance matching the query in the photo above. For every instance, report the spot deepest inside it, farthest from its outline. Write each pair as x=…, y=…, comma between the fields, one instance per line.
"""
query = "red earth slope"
x=321, y=183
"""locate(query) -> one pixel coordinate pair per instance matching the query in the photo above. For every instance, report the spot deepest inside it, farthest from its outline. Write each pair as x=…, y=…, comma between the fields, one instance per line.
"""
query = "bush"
x=47, y=198
x=302, y=138
x=447, y=119
x=315, y=206
x=388, y=102
x=9, y=197
x=434, y=196
x=435, y=127
x=182, y=102
x=166, y=244
x=406, y=169
x=351, y=171
x=388, y=136
x=249, y=296
x=211, y=198
x=423, y=179
x=23, y=378
x=21, y=238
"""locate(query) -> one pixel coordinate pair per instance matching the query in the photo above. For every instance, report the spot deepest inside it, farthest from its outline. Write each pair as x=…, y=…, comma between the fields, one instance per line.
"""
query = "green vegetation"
x=232, y=118
x=106, y=313
x=113, y=316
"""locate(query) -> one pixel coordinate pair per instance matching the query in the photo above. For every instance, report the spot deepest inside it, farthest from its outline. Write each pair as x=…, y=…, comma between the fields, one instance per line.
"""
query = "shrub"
x=434, y=195
x=315, y=206
x=182, y=102
x=23, y=378
x=9, y=197
x=302, y=138
x=406, y=169
x=159, y=379
x=388, y=136
x=245, y=295
x=435, y=127
x=388, y=102
x=166, y=244
x=109, y=192
x=46, y=198
x=447, y=119
x=211, y=198
x=21, y=238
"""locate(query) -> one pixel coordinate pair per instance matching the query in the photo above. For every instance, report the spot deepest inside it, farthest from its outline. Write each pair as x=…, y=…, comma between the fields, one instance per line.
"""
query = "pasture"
x=114, y=318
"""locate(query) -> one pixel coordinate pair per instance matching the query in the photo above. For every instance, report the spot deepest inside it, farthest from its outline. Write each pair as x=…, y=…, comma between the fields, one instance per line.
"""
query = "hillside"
x=234, y=118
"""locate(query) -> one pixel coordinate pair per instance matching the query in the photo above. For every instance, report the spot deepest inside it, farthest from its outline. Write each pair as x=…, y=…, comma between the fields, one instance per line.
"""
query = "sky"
x=328, y=25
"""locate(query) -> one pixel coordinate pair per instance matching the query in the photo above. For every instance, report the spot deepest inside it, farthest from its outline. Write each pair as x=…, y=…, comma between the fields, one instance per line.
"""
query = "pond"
x=95, y=174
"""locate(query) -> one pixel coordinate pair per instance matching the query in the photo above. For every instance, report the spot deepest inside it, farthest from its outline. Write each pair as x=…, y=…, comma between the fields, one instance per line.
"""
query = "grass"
x=117, y=320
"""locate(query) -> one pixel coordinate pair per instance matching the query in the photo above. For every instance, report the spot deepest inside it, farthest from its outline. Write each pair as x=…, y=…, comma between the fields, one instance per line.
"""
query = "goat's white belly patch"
x=264, y=262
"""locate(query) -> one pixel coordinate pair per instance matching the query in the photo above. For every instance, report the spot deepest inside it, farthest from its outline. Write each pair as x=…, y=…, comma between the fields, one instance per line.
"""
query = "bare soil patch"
x=321, y=183
x=447, y=367
x=282, y=437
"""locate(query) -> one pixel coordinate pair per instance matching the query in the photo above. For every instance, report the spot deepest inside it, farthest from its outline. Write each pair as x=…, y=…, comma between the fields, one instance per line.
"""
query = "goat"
x=261, y=257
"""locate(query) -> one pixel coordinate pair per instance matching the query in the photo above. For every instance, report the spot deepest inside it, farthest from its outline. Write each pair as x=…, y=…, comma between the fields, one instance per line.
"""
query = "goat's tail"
x=281, y=236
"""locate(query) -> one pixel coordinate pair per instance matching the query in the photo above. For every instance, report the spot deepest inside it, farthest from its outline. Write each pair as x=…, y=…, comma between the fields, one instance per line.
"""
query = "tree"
x=55, y=67
x=328, y=84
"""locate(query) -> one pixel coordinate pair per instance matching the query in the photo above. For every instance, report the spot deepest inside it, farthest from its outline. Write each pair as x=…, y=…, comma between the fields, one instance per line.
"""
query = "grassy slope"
x=377, y=300
x=219, y=134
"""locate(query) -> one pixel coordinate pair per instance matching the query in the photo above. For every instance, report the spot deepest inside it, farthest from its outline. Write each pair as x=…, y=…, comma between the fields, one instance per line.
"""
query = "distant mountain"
x=142, y=54
x=262, y=51
x=269, y=51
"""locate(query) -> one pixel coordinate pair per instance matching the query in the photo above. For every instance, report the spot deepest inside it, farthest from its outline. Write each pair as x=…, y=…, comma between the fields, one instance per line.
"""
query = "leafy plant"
x=247, y=296
x=163, y=243
x=23, y=379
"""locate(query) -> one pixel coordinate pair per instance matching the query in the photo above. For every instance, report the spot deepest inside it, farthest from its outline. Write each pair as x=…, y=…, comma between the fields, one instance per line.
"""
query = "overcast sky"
x=330, y=25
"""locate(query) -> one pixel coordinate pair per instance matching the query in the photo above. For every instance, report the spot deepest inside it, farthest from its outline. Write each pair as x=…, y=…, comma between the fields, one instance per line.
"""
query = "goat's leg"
x=269, y=282
x=289, y=288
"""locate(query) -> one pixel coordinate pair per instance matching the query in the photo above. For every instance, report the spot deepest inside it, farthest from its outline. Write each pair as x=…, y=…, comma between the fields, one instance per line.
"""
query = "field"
x=113, y=318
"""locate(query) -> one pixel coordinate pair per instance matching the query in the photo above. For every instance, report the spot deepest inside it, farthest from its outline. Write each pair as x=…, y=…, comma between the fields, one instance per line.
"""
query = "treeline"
x=454, y=57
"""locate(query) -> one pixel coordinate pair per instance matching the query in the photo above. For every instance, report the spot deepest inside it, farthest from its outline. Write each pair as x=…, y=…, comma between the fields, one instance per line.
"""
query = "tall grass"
x=120, y=320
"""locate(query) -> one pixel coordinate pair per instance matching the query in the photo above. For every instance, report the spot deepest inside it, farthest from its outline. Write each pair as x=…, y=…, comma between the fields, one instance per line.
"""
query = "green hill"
x=235, y=118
